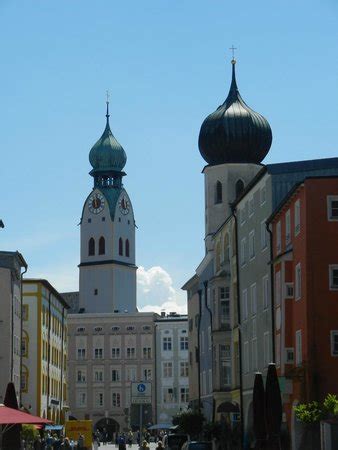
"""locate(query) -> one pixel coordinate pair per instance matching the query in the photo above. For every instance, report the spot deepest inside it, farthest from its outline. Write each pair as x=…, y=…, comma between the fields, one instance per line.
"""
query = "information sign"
x=141, y=393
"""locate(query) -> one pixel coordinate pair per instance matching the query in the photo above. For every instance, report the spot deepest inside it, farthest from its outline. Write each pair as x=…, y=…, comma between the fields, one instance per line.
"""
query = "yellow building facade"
x=44, y=351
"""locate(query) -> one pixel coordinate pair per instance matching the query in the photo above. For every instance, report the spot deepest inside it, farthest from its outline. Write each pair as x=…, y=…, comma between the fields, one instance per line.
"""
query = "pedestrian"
x=122, y=443
x=80, y=442
x=96, y=443
x=66, y=444
x=145, y=445
x=159, y=445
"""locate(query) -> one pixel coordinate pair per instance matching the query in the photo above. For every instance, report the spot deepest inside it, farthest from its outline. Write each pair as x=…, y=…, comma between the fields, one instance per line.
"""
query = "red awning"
x=10, y=416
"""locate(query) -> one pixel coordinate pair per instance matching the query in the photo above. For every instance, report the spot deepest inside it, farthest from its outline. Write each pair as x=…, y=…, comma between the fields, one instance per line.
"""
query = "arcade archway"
x=110, y=426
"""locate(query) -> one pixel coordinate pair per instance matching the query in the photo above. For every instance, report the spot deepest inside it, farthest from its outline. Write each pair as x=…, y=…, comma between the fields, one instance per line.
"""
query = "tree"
x=190, y=422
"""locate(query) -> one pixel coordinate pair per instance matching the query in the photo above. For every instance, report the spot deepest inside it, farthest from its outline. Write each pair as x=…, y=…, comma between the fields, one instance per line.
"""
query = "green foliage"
x=212, y=430
x=330, y=404
x=29, y=433
x=190, y=422
x=313, y=412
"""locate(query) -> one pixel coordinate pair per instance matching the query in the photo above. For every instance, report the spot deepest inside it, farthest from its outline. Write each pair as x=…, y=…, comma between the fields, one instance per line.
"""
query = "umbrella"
x=160, y=426
x=274, y=408
x=259, y=412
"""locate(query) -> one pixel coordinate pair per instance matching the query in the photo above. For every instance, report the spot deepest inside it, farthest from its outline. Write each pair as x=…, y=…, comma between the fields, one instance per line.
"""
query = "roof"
x=17, y=255
x=48, y=286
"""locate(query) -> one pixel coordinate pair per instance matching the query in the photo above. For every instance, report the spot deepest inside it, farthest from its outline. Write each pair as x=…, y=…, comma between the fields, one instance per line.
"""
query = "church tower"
x=107, y=267
x=233, y=140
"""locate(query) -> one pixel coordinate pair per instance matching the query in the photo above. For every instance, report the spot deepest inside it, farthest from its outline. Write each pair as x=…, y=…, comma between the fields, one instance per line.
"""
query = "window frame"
x=330, y=199
x=332, y=267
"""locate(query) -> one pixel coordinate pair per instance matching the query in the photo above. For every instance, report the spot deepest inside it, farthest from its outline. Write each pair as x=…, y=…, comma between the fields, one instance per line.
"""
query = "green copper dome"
x=107, y=155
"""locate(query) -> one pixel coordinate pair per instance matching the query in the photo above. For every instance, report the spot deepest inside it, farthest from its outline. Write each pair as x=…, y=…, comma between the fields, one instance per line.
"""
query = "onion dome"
x=234, y=133
x=107, y=155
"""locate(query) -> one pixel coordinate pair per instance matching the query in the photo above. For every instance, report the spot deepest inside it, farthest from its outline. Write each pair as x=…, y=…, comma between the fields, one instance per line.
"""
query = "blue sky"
x=167, y=66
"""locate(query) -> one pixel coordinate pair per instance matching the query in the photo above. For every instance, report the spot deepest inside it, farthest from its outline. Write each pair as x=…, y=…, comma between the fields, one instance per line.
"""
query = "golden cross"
x=233, y=51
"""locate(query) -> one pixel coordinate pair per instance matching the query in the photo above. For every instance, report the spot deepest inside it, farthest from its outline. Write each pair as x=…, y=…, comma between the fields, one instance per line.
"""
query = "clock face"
x=124, y=205
x=96, y=203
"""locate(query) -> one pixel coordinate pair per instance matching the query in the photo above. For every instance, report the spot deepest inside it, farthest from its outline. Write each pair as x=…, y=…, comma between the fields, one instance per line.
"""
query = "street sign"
x=141, y=393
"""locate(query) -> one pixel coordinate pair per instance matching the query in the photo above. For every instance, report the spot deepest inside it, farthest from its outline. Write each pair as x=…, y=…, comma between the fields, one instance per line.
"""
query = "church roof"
x=234, y=133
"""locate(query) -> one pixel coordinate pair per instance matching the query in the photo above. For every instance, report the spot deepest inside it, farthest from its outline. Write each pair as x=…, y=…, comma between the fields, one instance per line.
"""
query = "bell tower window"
x=102, y=246
x=91, y=247
x=218, y=192
x=127, y=247
x=120, y=247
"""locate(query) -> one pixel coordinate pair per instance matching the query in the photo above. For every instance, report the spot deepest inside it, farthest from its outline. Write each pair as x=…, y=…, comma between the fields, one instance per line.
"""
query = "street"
x=152, y=446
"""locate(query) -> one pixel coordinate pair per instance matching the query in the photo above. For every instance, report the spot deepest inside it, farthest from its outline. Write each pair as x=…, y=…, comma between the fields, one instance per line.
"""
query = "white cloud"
x=155, y=292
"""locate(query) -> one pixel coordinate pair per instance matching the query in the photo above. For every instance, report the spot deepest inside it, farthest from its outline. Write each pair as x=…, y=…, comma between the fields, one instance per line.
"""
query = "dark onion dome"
x=107, y=155
x=234, y=133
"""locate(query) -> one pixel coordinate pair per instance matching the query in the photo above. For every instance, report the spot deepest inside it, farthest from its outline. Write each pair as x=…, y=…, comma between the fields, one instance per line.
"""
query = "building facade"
x=305, y=228
x=172, y=366
x=107, y=352
x=11, y=270
x=44, y=385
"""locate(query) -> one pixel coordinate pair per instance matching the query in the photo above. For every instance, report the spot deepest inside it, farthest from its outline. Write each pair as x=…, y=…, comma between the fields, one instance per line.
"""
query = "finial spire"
x=107, y=102
x=233, y=61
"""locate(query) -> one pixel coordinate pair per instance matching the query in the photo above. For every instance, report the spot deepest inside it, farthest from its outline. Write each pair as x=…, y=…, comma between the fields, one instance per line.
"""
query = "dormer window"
x=91, y=247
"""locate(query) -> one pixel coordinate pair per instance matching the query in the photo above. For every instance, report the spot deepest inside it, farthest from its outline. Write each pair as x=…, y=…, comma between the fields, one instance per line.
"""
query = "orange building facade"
x=305, y=293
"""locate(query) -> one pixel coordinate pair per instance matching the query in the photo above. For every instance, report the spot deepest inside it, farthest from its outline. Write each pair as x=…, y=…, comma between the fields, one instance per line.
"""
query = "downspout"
x=12, y=328
x=48, y=360
x=62, y=356
x=155, y=372
x=198, y=348
x=212, y=345
x=21, y=326
x=233, y=210
x=272, y=289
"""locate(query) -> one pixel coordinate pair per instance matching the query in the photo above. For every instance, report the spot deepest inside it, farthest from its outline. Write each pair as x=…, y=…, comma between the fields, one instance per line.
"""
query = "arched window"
x=239, y=188
x=102, y=246
x=127, y=247
x=91, y=247
x=218, y=192
x=120, y=247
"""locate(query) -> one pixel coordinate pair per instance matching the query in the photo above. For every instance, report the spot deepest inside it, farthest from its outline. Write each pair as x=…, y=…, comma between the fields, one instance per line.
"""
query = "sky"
x=167, y=66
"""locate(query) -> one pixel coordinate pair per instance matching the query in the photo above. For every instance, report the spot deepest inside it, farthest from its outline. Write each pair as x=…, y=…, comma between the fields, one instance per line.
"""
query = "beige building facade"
x=44, y=351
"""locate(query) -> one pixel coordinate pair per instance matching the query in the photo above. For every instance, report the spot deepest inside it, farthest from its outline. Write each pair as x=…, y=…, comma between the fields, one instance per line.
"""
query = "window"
x=116, y=399
x=245, y=304
x=218, y=192
x=224, y=294
x=246, y=357
x=89, y=220
x=253, y=292
x=299, y=357
x=264, y=236
x=184, y=343
x=239, y=187
x=102, y=246
x=146, y=328
x=95, y=291
x=297, y=217
x=115, y=353
x=278, y=288
x=287, y=227
x=332, y=207
x=103, y=219
x=127, y=248
x=288, y=290
x=81, y=399
x=98, y=353
x=225, y=352
x=167, y=344
x=130, y=373
x=98, y=399
x=130, y=352
x=97, y=329
x=24, y=346
x=130, y=328
x=243, y=251
x=254, y=354
x=120, y=247
x=115, y=375
x=333, y=277
x=25, y=309
x=24, y=380
x=251, y=206
x=81, y=376
x=91, y=247
x=146, y=352
x=334, y=342
x=184, y=395
x=278, y=238
x=266, y=349
x=98, y=375
x=81, y=353
x=263, y=195
x=252, y=244
x=168, y=395
x=265, y=292
x=298, y=278
x=289, y=353
x=147, y=374
x=167, y=369
x=184, y=369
